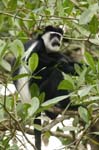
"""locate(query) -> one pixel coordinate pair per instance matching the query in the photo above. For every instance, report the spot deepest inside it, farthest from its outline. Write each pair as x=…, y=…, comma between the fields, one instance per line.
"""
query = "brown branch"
x=5, y=125
x=75, y=39
x=20, y=128
x=57, y=111
x=76, y=4
x=61, y=134
x=53, y=123
x=43, y=19
x=14, y=16
x=85, y=131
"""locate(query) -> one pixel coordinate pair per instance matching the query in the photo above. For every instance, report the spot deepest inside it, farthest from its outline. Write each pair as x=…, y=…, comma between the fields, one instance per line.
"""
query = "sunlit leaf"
x=17, y=48
x=68, y=6
x=14, y=147
x=20, y=76
x=2, y=47
x=34, y=106
x=96, y=133
x=93, y=25
x=85, y=91
x=33, y=62
x=84, y=114
x=94, y=41
x=12, y=4
x=81, y=78
x=90, y=60
x=38, y=127
x=2, y=114
x=55, y=100
x=66, y=85
x=34, y=89
x=88, y=14
x=82, y=30
x=5, y=65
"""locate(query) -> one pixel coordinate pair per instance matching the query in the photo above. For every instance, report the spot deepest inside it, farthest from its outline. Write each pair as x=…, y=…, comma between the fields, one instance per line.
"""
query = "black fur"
x=54, y=29
x=50, y=68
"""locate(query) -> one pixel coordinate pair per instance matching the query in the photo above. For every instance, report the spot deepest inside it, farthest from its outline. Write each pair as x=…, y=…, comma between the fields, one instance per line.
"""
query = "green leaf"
x=47, y=12
x=96, y=133
x=87, y=15
x=5, y=3
x=17, y=48
x=20, y=76
x=68, y=6
x=14, y=147
x=5, y=65
x=2, y=47
x=34, y=89
x=59, y=8
x=90, y=60
x=94, y=41
x=2, y=114
x=93, y=25
x=84, y=114
x=33, y=62
x=34, y=106
x=42, y=97
x=85, y=91
x=81, y=29
x=66, y=85
x=38, y=127
x=55, y=100
x=22, y=110
x=16, y=64
x=97, y=66
x=93, y=98
x=12, y=4
x=10, y=102
x=81, y=78
x=78, y=69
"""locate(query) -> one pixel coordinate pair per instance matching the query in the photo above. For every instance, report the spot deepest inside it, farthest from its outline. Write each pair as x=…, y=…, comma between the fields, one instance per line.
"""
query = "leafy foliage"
x=21, y=20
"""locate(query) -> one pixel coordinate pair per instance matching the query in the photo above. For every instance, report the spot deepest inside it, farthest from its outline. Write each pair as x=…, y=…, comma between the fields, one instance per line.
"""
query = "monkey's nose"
x=56, y=43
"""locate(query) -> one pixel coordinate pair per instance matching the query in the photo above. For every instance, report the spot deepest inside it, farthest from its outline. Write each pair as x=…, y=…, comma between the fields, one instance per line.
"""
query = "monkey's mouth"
x=55, y=43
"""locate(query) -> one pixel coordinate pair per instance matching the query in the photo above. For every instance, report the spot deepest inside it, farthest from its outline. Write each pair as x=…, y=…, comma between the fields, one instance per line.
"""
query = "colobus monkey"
x=45, y=45
x=51, y=65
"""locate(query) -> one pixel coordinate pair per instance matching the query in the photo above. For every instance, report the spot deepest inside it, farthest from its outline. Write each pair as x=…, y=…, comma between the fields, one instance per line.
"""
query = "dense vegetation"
x=21, y=20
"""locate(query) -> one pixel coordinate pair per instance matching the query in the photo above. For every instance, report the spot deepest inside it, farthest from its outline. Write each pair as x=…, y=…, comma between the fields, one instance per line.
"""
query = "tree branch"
x=31, y=20
x=20, y=128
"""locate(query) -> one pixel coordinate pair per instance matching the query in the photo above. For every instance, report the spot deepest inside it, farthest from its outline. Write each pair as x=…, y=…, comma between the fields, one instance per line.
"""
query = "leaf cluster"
x=21, y=20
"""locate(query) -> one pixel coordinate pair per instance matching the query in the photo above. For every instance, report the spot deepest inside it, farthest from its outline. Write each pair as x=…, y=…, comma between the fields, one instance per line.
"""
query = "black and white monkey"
x=44, y=45
x=51, y=65
x=47, y=46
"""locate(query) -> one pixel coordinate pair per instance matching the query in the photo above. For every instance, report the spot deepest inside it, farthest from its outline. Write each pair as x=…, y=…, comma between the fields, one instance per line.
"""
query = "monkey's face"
x=52, y=41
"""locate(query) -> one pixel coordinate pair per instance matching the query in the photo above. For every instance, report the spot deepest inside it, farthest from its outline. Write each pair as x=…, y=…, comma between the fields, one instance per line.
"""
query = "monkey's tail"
x=37, y=134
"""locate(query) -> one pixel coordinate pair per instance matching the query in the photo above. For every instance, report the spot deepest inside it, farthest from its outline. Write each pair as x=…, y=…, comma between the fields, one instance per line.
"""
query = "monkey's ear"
x=60, y=30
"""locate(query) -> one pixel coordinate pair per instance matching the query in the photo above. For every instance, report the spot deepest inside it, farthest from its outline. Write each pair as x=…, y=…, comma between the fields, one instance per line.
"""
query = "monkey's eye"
x=53, y=35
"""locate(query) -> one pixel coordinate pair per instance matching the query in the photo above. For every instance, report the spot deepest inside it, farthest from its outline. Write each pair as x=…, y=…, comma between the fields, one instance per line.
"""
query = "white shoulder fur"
x=23, y=83
x=23, y=87
x=29, y=50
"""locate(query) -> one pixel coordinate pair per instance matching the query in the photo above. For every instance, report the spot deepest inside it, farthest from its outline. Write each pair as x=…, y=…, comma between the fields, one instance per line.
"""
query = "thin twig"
x=84, y=132
x=53, y=123
x=20, y=127
x=31, y=20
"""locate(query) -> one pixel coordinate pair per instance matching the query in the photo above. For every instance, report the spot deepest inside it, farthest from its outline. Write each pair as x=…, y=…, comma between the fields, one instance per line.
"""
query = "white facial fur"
x=48, y=42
